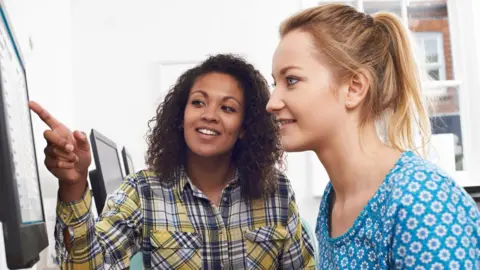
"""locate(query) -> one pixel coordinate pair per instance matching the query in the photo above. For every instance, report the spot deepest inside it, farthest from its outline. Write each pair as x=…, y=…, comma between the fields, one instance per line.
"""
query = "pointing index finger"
x=44, y=115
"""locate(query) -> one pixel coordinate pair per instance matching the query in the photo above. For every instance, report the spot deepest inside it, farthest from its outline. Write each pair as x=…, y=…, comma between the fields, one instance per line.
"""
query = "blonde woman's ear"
x=357, y=89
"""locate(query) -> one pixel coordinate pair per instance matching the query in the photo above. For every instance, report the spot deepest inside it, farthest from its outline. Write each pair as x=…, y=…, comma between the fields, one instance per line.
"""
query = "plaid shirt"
x=175, y=226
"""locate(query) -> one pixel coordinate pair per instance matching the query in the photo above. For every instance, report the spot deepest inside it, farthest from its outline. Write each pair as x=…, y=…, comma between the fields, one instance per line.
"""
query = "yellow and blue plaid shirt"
x=175, y=226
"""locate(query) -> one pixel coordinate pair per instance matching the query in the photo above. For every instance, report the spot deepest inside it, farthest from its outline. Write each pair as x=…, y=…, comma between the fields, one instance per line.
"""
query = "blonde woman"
x=338, y=73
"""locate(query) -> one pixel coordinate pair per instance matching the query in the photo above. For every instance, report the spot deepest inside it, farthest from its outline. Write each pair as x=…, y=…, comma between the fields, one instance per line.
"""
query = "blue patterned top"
x=419, y=218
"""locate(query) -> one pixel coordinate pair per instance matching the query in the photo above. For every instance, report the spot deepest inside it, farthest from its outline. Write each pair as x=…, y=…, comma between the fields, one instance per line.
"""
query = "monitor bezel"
x=126, y=156
x=23, y=241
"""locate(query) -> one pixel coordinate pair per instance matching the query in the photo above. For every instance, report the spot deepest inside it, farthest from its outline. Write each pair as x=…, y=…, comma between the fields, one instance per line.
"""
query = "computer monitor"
x=107, y=176
x=127, y=162
x=21, y=204
x=474, y=192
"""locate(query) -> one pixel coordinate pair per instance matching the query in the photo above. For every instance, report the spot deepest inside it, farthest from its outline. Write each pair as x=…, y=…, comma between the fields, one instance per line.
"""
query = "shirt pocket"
x=176, y=250
x=263, y=246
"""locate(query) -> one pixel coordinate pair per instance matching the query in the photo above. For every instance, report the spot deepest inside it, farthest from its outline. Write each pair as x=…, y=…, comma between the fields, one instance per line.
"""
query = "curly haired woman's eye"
x=228, y=109
x=197, y=103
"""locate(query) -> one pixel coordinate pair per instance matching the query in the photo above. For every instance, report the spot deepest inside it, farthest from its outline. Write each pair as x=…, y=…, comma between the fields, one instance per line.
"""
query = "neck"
x=209, y=174
x=356, y=160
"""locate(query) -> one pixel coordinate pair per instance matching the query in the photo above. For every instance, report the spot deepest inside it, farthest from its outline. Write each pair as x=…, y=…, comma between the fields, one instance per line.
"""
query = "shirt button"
x=225, y=199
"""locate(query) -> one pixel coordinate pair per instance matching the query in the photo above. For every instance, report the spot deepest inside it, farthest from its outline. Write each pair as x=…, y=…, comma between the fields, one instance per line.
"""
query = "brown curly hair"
x=255, y=155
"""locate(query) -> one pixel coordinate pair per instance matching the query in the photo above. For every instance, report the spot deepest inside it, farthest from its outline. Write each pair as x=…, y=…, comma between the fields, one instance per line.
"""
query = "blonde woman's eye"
x=292, y=80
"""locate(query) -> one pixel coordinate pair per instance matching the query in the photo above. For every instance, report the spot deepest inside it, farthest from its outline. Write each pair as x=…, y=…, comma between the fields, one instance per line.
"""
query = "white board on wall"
x=170, y=72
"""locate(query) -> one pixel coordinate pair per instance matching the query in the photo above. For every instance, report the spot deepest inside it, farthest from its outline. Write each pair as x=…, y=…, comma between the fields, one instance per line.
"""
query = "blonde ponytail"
x=409, y=116
x=380, y=44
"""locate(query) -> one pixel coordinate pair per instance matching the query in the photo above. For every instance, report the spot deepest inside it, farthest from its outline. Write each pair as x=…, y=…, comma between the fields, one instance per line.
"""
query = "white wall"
x=47, y=26
x=465, y=26
x=472, y=54
x=118, y=48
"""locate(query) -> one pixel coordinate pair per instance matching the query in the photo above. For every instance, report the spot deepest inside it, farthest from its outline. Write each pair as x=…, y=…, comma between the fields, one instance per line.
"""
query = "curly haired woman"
x=211, y=198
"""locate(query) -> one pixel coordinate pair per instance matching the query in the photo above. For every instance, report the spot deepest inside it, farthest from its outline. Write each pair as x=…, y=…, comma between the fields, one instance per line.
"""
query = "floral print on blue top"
x=419, y=218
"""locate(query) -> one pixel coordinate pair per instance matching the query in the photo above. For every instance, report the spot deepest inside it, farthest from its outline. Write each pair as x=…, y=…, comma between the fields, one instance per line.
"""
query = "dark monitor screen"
x=474, y=192
x=127, y=162
x=21, y=214
x=107, y=176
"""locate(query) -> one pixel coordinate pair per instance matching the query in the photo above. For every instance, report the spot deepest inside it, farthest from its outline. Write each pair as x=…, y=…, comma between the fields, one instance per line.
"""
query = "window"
x=448, y=57
x=430, y=46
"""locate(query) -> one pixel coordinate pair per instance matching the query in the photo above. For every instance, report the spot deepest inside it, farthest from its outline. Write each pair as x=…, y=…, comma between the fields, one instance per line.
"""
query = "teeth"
x=207, y=131
x=283, y=122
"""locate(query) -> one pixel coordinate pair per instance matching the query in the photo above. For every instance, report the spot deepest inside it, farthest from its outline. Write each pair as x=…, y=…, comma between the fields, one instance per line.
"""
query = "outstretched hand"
x=67, y=155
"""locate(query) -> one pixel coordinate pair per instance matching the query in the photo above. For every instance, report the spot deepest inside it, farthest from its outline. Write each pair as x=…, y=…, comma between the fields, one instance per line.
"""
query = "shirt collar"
x=184, y=182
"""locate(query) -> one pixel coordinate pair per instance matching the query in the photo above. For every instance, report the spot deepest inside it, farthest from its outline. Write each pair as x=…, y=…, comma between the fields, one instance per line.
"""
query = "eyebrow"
x=287, y=68
x=223, y=99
